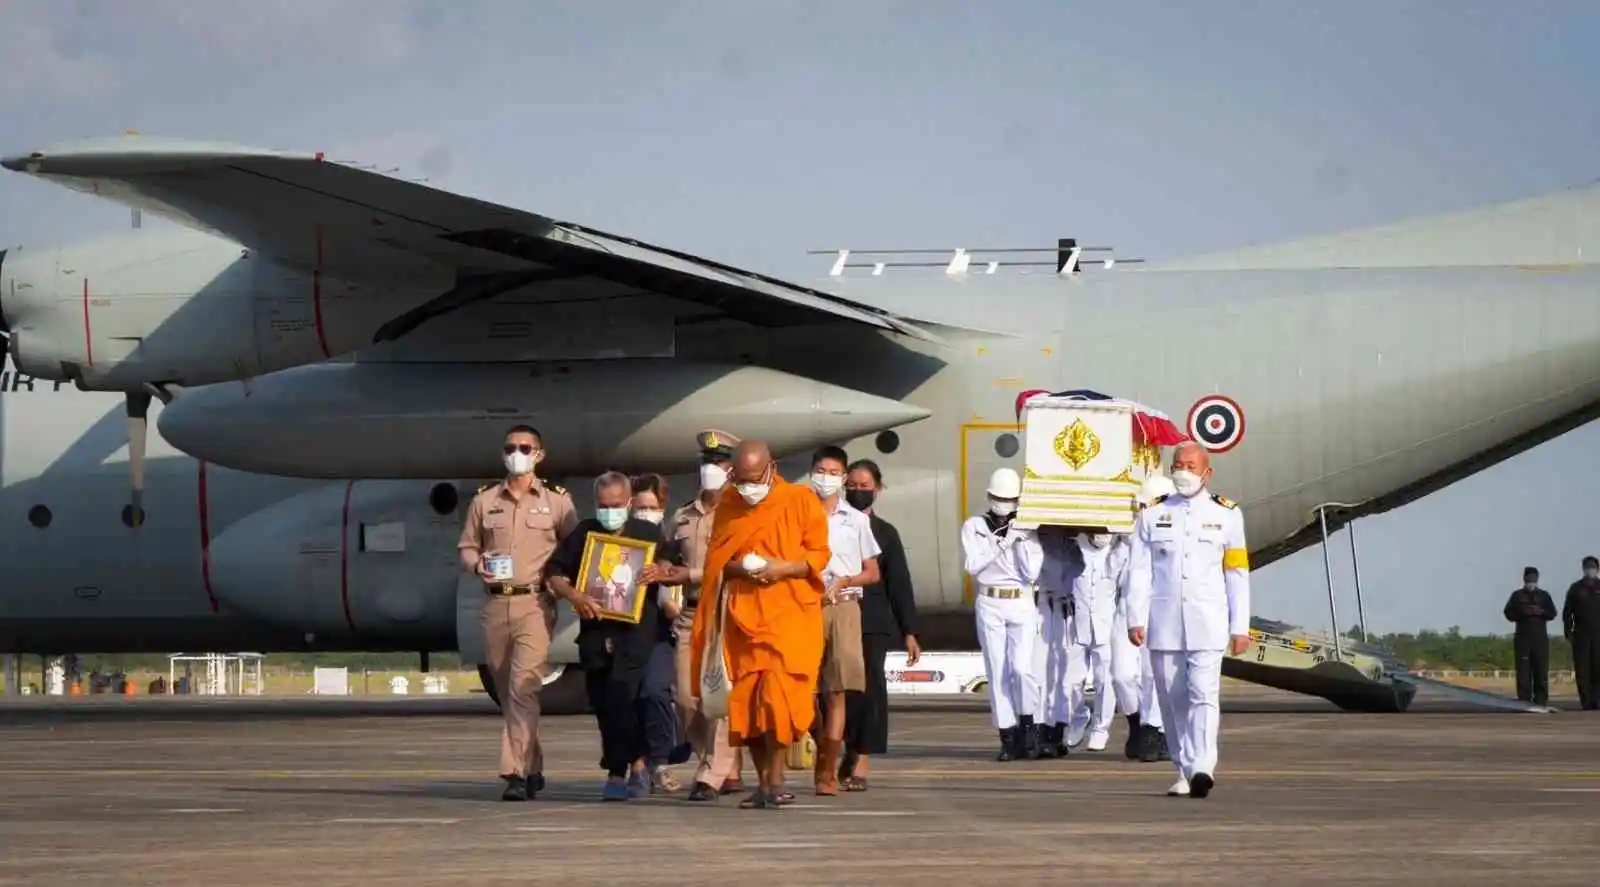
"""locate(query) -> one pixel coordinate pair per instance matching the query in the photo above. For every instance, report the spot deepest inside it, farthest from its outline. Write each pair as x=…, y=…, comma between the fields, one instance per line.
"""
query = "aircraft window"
x=887, y=442
x=1006, y=446
x=443, y=498
x=127, y=516
x=39, y=516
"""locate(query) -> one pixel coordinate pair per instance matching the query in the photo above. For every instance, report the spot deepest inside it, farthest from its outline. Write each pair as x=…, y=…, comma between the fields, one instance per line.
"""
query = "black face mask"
x=860, y=500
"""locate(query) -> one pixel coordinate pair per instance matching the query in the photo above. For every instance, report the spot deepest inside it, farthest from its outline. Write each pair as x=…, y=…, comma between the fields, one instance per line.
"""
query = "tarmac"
x=180, y=791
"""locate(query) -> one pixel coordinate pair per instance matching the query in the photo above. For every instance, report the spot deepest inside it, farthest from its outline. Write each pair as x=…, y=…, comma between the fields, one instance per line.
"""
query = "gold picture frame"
x=619, y=600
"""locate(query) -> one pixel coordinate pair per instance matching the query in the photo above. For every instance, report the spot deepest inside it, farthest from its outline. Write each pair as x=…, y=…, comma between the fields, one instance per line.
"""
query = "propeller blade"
x=138, y=424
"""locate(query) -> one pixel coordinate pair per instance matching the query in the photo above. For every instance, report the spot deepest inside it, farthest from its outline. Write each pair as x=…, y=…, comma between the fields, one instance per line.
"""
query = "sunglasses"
x=524, y=449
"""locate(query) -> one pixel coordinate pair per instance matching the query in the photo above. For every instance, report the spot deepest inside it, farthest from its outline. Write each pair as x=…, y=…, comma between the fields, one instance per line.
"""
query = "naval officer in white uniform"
x=1063, y=560
x=1189, y=599
x=1102, y=569
x=1131, y=673
x=1004, y=564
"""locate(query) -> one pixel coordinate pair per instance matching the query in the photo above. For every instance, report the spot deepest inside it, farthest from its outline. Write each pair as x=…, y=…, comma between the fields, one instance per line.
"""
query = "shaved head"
x=752, y=462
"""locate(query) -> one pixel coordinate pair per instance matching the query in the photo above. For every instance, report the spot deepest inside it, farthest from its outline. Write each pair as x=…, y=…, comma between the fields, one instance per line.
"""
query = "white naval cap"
x=1005, y=484
x=1154, y=487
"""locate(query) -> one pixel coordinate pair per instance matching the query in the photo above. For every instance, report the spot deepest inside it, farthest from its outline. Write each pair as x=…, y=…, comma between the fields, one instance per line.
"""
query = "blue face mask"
x=611, y=518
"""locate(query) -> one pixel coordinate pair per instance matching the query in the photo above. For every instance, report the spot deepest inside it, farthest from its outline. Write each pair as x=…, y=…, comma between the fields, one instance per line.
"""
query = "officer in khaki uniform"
x=523, y=517
x=690, y=528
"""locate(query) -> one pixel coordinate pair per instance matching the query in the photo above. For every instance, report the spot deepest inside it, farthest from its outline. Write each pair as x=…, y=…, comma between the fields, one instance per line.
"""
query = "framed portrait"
x=609, y=575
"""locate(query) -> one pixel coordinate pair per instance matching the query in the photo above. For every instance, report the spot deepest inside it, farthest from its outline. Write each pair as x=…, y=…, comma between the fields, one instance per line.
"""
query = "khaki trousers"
x=718, y=760
x=516, y=634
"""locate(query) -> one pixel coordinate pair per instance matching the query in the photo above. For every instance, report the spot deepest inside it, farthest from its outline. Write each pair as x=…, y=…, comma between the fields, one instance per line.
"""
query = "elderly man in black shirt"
x=616, y=654
x=1531, y=609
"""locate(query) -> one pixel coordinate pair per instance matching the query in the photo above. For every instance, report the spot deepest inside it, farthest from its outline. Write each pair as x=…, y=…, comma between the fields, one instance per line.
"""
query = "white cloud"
x=36, y=65
x=372, y=31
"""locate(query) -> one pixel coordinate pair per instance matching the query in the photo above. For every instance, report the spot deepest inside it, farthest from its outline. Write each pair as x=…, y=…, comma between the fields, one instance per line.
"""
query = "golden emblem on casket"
x=1077, y=445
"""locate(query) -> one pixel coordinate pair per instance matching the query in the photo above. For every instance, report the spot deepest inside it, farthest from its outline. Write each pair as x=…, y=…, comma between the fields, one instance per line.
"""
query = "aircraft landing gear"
x=564, y=691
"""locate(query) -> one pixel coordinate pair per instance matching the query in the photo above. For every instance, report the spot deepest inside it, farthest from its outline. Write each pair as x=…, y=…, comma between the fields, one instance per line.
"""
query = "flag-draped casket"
x=1085, y=456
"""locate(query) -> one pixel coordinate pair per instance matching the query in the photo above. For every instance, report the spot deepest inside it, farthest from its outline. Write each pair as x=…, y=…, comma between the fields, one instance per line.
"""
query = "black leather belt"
x=504, y=589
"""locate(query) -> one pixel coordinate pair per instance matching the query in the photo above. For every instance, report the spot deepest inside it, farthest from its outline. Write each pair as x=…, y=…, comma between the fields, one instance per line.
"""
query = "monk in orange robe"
x=773, y=635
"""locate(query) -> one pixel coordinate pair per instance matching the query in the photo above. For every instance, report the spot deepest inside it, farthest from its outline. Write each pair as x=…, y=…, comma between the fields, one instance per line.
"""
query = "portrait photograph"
x=610, y=575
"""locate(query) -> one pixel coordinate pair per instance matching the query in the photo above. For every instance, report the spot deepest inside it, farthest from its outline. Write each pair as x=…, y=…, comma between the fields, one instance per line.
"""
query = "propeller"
x=138, y=427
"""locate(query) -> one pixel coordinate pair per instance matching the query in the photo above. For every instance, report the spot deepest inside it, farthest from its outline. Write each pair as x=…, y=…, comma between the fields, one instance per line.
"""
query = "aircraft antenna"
x=1068, y=258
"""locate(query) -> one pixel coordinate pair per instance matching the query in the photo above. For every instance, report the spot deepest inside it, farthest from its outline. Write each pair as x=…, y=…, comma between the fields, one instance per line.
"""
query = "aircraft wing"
x=308, y=211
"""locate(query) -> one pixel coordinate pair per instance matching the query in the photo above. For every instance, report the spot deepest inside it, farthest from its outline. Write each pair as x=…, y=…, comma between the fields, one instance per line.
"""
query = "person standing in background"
x=889, y=608
x=1580, y=622
x=1532, y=610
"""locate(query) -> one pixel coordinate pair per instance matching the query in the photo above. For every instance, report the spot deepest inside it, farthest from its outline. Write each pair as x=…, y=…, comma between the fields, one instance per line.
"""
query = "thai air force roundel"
x=1216, y=423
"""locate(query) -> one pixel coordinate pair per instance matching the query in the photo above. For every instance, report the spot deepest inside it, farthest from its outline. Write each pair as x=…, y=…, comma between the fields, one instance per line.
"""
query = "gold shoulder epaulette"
x=1160, y=499
x=1224, y=501
x=485, y=487
x=557, y=489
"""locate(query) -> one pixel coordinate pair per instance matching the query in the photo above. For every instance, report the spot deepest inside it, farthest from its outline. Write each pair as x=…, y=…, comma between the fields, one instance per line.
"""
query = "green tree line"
x=1450, y=649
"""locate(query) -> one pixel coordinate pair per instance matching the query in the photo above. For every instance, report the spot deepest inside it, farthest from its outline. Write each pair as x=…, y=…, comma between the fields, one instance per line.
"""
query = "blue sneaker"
x=615, y=790
x=638, y=784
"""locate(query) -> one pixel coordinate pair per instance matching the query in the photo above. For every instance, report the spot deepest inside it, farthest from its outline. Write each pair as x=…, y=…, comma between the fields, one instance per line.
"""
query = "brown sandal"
x=854, y=783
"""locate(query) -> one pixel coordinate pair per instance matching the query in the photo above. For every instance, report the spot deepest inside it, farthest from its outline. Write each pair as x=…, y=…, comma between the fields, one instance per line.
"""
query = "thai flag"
x=1155, y=427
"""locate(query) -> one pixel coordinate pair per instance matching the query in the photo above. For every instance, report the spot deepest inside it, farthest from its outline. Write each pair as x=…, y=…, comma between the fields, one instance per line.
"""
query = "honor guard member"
x=1131, y=673
x=1061, y=562
x=1531, y=609
x=719, y=764
x=523, y=518
x=1004, y=563
x=1103, y=569
x=1189, y=599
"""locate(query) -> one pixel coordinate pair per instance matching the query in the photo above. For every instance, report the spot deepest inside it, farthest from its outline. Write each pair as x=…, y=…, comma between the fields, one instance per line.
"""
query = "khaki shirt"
x=691, y=526
x=528, y=529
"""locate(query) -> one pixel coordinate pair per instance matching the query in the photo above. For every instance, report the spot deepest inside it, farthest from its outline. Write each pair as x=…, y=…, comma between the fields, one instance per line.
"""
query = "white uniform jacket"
x=1189, y=573
x=1094, y=592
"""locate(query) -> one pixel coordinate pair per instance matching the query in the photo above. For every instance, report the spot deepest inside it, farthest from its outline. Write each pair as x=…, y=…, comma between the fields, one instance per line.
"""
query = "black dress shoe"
x=703, y=792
x=1200, y=785
x=516, y=789
x=535, y=784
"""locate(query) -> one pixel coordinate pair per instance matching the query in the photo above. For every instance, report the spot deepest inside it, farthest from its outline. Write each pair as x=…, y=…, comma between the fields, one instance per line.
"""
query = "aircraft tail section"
x=1554, y=230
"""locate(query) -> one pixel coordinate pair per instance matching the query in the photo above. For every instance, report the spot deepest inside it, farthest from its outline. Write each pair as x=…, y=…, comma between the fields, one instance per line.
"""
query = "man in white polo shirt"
x=852, y=567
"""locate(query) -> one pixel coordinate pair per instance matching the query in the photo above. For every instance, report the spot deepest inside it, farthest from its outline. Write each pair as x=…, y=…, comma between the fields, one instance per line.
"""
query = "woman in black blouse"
x=887, y=609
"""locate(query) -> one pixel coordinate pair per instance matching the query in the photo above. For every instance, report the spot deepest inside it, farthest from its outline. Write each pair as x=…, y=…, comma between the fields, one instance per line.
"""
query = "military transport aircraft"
x=343, y=350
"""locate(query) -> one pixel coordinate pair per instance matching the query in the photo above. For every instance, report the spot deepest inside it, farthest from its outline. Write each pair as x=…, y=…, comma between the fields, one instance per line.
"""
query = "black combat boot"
x=1151, y=744
x=1028, y=738
x=1058, y=740
x=1130, y=749
x=1163, y=752
x=1008, y=745
x=1047, y=742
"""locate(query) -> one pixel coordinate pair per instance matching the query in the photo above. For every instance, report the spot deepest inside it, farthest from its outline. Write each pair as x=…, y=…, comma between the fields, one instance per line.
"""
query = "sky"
x=753, y=130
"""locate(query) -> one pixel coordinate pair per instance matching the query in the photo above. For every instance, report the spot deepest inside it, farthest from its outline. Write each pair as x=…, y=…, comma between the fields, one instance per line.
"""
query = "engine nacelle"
x=368, y=561
x=182, y=307
x=398, y=420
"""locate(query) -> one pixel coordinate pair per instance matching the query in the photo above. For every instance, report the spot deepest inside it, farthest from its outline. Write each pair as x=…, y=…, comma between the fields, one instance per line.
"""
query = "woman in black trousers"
x=887, y=609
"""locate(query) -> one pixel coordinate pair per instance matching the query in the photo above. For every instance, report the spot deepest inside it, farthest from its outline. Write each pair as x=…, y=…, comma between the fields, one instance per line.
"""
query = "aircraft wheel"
x=564, y=691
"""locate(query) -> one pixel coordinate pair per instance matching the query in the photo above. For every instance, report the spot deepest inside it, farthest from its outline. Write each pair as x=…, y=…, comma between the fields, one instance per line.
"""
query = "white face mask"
x=650, y=514
x=518, y=462
x=611, y=518
x=754, y=493
x=1187, y=482
x=1100, y=540
x=1002, y=507
x=826, y=485
x=1590, y=573
x=712, y=478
